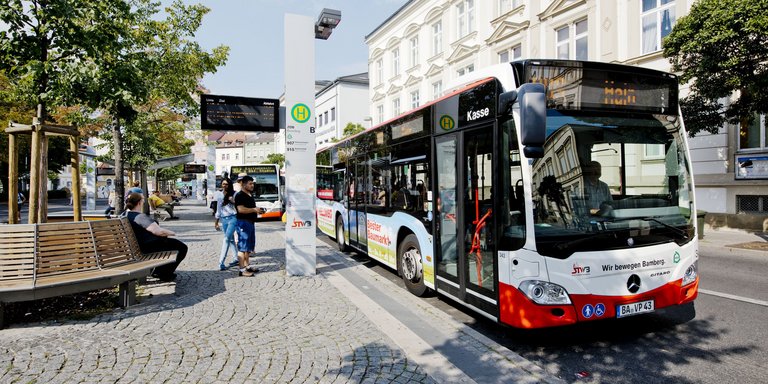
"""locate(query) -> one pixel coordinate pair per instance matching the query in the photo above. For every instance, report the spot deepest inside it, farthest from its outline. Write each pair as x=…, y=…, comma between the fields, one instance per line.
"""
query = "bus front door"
x=466, y=268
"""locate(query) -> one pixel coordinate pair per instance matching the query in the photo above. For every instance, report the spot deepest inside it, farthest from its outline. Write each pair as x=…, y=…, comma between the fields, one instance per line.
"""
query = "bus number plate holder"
x=632, y=309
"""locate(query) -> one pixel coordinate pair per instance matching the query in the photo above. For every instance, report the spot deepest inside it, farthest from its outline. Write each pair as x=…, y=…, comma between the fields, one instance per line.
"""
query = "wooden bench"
x=46, y=260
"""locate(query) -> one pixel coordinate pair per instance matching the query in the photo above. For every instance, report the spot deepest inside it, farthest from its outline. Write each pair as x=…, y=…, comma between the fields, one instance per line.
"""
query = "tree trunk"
x=117, y=141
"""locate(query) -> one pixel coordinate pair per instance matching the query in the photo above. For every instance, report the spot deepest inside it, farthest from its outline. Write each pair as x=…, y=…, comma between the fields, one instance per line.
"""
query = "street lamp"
x=326, y=22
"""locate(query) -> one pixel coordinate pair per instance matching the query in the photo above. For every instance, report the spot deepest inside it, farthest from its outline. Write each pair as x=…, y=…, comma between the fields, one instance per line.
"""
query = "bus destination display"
x=583, y=87
x=239, y=113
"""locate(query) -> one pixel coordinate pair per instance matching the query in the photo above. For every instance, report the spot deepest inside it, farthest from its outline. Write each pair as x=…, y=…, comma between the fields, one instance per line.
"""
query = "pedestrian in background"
x=110, y=204
x=136, y=188
x=226, y=221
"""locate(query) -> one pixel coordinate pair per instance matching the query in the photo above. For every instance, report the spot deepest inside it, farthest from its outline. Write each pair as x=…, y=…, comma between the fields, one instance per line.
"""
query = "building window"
x=510, y=54
x=380, y=71
x=576, y=33
x=396, y=107
x=465, y=13
x=325, y=117
x=237, y=156
x=464, y=70
x=227, y=156
x=753, y=136
x=751, y=204
x=658, y=19
x=437, y=89
x=380, y=113
x=333, y=114
x=654, y=151
x=396, y=62
x=437, y=38
x=508, y=5
x=414, y=99
x=414, y=51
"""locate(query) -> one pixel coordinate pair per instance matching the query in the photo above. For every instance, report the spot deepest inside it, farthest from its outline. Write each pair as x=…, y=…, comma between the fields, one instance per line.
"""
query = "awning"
x=172, y=161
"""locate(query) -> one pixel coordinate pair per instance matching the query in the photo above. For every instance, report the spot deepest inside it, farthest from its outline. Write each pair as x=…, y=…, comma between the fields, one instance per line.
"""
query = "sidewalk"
x=345, y=325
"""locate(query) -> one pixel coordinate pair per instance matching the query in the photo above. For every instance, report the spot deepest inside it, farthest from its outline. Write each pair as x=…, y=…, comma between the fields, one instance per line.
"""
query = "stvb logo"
x=301, y=224
x=633, y=284
x=579, y=270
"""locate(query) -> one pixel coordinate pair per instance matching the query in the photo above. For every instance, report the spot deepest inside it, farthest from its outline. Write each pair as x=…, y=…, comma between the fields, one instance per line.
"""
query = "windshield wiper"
x=677, y=230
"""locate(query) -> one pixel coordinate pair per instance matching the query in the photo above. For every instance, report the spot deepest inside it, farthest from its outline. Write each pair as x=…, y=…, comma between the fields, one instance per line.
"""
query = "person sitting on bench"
x=155, y=202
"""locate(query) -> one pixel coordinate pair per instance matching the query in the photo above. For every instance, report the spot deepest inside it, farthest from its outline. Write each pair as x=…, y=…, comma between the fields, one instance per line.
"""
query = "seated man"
x=596, y=192
x=155, y=202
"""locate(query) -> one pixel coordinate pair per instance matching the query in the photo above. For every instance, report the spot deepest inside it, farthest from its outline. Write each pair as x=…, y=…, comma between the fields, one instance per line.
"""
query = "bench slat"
x=17, y=256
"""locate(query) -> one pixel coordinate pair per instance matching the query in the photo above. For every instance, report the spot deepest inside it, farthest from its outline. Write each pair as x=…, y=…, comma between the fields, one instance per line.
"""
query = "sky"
x=253, y=30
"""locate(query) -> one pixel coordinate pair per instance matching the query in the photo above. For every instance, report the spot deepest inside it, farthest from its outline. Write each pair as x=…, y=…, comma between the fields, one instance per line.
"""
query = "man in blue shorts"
x=247, y=213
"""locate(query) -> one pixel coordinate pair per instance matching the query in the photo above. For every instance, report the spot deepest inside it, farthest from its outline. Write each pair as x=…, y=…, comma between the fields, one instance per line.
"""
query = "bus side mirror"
x=506, y=100
x=533, y=118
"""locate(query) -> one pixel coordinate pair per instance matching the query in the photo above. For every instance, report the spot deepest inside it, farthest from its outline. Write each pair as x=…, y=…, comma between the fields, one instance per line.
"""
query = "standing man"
x=247, y=213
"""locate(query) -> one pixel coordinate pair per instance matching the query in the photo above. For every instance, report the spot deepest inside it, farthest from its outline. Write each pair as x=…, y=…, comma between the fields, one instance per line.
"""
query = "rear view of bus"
x=600, y=219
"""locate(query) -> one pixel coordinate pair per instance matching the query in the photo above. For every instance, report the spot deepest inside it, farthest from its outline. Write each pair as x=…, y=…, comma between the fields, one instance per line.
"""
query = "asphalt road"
x=714, y=340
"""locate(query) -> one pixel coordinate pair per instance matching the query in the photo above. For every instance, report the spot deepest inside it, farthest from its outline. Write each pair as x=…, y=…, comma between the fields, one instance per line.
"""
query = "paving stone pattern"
x=212, y=326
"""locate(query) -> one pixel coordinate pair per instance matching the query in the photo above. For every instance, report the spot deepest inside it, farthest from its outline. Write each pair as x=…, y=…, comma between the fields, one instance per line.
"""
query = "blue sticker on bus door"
x=587, y=311
x=599, y=309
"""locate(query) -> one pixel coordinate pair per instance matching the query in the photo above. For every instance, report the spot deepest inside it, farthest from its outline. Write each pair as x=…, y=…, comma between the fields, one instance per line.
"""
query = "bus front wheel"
x=342, y=244
x=409, y=265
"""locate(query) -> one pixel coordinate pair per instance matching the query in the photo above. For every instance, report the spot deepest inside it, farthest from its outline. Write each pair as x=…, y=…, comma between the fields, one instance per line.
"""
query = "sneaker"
x=252, y=269
x=246, y=273
x=233, y=264
x=223, y=267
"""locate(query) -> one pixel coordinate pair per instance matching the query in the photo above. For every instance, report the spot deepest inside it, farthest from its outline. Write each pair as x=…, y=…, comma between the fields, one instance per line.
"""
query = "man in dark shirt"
x=247, y=213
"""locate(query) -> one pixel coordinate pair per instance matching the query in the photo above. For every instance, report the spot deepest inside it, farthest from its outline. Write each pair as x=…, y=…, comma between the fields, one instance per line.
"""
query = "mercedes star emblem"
x=633, y=284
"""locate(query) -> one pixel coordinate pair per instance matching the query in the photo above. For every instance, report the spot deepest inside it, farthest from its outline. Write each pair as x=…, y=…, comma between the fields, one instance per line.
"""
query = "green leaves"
x=721, y=47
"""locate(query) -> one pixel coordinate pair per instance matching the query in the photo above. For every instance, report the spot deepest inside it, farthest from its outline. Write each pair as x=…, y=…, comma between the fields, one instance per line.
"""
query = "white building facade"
x=427, y=44
x=343, y=101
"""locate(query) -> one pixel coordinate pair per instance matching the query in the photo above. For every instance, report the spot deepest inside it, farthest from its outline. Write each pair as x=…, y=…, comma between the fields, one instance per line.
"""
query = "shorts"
x=246, y=236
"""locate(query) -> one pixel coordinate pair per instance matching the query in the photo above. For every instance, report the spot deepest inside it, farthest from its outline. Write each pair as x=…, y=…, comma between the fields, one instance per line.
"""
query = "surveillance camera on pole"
x=326, y=22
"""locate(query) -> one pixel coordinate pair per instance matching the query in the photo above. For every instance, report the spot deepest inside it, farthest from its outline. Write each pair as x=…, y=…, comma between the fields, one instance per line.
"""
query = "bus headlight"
x=542, y=292
x=691, y=273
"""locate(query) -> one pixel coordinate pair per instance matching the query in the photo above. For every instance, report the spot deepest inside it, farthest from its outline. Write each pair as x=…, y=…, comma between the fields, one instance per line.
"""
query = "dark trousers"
x=166, y=244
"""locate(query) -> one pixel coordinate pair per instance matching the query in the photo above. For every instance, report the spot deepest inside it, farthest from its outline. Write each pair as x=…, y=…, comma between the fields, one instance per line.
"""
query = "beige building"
x=416, y=54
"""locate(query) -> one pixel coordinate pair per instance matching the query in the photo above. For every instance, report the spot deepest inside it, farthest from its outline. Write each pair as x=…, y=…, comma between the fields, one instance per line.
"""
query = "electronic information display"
x=234, y=113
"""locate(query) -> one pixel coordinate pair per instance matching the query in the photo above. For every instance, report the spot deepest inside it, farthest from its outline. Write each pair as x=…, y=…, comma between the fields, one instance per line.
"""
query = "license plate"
x=625, y=310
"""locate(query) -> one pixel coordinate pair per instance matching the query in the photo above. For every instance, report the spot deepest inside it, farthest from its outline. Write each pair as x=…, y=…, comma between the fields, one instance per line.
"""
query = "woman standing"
x=226, y=221
x=152, y=237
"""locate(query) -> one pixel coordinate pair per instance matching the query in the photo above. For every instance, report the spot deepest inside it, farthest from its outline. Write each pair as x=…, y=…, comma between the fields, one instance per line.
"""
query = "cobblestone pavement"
x=212, y=326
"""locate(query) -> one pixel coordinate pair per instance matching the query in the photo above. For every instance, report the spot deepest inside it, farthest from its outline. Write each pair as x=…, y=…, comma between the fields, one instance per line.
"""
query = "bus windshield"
x=611, y=182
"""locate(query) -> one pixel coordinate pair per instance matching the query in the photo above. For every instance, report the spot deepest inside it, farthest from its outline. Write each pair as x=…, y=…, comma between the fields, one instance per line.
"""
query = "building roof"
x=392, y=16
x=231, y=139
x=358, y=78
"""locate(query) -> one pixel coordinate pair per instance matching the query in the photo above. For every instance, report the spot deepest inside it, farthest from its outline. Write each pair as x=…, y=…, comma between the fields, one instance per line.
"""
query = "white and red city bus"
x=544, y=193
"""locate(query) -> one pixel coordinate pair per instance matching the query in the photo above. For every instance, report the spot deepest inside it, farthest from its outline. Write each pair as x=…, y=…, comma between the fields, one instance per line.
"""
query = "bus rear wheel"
x=409, y=265
x=340, y=242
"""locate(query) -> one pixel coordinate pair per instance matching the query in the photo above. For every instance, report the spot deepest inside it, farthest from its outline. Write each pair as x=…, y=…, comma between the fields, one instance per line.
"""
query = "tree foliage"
x=115, y=59
x=722, y=47
x=275, y=158
x=352, y=129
